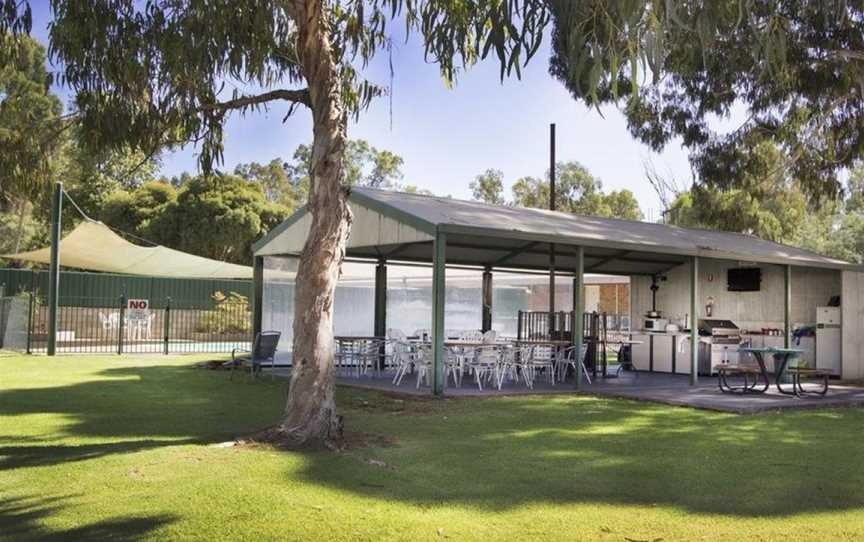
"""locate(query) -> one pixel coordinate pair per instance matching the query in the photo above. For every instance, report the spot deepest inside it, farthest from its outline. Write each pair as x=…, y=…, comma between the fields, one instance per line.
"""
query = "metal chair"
x=263, y=350
x=568, y=360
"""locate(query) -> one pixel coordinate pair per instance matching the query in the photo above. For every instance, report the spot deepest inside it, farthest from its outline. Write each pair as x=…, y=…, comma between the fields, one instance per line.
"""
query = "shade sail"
x=94, y=247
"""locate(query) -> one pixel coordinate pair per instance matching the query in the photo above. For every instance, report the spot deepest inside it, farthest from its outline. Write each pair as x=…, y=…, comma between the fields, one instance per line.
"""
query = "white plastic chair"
x=105, y=320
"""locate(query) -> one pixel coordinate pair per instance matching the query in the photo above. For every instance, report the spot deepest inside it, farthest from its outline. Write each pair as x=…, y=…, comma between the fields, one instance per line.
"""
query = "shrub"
x=230, y=315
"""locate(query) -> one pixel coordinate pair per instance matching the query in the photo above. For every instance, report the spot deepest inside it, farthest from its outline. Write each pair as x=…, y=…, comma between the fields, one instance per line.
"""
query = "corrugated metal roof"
x=476, y=219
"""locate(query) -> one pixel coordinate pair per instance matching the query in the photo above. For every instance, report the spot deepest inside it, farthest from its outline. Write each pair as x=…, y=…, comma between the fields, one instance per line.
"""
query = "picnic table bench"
x=784, y=358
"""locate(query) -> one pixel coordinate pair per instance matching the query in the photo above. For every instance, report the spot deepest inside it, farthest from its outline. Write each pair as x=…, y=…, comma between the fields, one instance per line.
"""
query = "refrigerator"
x=828, y=339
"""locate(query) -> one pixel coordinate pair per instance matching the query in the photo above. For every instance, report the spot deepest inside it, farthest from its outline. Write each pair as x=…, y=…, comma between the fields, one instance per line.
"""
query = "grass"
x=101, y=447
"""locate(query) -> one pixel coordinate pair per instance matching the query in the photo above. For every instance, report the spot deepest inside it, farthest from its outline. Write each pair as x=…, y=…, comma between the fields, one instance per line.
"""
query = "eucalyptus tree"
x=30, y=127
x=795, y=66
x=167, y=72
x=488, y=187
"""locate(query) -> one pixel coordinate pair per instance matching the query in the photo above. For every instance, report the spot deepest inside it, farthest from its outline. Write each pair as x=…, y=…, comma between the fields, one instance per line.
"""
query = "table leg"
x=784, y=361
x=763, y=372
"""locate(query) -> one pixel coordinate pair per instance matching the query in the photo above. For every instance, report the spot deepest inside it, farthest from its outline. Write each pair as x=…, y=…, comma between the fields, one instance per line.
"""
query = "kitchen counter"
x=662, y=333
x=662, y=351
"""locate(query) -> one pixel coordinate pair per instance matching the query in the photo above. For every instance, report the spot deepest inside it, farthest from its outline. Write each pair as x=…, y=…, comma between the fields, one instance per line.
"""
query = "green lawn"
x=94, y=447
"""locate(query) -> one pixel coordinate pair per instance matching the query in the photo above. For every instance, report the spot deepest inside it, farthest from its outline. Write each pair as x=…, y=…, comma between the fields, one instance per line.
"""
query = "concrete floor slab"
x=652, y=387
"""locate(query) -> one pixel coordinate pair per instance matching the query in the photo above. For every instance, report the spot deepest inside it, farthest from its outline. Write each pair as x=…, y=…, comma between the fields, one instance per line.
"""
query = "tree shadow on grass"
x=21, y=519
x=12, y=457
x=132, y=409
x=493, y=453
x=502, y=453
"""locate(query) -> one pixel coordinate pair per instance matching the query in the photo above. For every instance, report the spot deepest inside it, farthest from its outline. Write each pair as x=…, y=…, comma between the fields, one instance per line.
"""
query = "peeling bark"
x=310, y=415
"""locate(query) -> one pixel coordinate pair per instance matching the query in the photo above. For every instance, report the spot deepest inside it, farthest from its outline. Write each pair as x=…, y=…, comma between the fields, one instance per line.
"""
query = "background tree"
x=489, y=187
x=213, y=216
x=30, y=133
x=90, y=177
x=274, y=182
x=796, y=66
x=577, y=192
x=838, y=230
x=364, y=166
x=769, y=204
x=132, y=212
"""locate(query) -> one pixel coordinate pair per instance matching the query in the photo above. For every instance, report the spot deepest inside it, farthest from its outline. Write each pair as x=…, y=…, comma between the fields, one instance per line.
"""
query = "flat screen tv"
x=744, y=279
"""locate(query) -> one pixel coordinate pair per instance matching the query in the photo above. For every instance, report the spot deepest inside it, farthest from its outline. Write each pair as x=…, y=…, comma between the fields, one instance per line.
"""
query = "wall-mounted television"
x=744, y=279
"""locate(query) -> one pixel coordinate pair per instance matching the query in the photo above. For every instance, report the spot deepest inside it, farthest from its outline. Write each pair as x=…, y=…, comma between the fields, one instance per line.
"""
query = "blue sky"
x=447, y=136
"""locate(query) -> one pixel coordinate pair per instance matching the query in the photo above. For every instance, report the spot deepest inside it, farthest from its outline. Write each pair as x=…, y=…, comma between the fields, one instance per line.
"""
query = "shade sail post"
x=487, y=300
x=578, y=312
x=439, y=284
x=694, y=320
x=54, y=268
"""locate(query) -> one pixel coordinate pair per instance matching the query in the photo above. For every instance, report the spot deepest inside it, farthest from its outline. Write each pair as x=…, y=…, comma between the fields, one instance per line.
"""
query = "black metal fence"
x=106, y=325
x=545, y=325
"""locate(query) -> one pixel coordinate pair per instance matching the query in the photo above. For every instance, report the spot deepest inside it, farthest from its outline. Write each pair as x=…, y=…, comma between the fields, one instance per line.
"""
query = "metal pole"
x=694, y=320
x=54, y=269
x=30, y=311
x=787, y=307
x=380, y=327
x=121, y=324
x=551, y=245
x=578, y=311
x=438, y=298
x=30, y=322
x=166, y=328
x=258, y=295
x=487, y=300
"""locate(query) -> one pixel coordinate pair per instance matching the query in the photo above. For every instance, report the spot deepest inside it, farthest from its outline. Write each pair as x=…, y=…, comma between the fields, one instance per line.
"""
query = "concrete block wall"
x=750, y=310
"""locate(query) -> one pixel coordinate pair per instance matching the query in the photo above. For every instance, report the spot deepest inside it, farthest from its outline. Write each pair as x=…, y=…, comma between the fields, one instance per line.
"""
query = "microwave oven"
x=656, y=324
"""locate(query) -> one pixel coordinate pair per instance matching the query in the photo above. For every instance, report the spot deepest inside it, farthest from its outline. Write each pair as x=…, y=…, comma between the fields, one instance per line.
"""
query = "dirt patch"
x=274, y=438
x=379, y=402
x=214, y=364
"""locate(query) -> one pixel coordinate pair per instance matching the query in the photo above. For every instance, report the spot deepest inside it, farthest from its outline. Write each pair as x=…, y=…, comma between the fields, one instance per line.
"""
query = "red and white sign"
x=137, y=309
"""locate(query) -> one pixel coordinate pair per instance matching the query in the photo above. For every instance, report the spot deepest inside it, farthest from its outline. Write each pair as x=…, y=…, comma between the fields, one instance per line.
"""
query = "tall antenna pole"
x=551, y=246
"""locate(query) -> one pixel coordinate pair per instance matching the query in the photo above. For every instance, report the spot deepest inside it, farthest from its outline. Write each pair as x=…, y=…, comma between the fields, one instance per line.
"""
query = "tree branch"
x=300, y=96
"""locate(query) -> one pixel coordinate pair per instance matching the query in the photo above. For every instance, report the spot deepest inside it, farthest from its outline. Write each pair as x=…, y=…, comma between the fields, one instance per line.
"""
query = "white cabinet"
x=657, y=350
x=641, y=352
x=682, y=355
x=663, y=353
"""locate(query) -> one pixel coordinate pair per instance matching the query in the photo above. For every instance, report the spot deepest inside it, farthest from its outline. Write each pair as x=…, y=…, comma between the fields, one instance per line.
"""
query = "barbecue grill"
x=722, y=339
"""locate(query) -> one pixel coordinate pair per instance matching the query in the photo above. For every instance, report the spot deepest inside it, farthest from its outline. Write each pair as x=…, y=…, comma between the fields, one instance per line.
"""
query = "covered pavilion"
x=392, y=227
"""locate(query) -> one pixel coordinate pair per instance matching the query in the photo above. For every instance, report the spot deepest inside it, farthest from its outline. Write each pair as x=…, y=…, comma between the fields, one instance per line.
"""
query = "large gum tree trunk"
x=310, y=415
